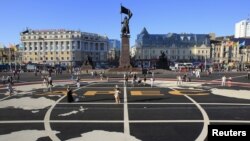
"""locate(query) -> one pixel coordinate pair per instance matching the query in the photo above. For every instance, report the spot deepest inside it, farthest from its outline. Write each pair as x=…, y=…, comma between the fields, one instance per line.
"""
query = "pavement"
x=166, y=111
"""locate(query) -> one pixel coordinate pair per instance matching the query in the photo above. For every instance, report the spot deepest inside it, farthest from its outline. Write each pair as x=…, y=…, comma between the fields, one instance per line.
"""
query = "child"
x=117, y=94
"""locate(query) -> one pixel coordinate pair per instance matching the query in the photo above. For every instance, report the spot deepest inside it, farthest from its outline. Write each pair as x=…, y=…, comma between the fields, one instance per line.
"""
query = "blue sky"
x=103, y=17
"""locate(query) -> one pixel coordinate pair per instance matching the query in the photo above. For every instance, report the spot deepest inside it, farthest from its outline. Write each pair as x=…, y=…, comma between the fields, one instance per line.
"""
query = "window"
x=46, y=53
x=78, y=44
x=96, y=46
x=61, y=52
x=56, y=52
x=51, y=58
x=102, y=46
x=35, y=53
x=91, y=46
x=67, y=52
x=62, y=58
x=86, y=45
x=51, y=53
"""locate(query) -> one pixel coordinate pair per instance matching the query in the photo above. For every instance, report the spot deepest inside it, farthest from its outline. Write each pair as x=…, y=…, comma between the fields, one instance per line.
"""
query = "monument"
x=124, y=61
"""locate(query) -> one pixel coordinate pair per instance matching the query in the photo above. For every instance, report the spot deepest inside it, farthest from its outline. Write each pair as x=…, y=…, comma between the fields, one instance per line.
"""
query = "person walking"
x=223, y=80
x=69, y=95
x=78, y=82
x=145, y=79
x=10, y=89
x=152, y=82
x=117, y=95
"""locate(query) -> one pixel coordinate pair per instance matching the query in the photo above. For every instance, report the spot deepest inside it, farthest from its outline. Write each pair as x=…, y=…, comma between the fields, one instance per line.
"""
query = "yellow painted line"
x=92, y=93
x=180, y=92
x=146, y=93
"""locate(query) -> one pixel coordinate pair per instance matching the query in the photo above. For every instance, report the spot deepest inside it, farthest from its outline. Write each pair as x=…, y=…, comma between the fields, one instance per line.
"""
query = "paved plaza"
x=166, y=111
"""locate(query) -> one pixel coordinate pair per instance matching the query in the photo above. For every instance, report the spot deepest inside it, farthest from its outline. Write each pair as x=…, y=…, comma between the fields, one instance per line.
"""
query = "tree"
x=162, y=62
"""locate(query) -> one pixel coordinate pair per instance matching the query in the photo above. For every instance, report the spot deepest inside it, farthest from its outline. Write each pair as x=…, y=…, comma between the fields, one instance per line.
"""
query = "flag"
x=124, y=10
x=14, y=47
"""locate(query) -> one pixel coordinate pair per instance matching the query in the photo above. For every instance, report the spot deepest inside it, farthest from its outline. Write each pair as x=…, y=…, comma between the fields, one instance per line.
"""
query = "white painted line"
x=121, y=121
x=86, y=121
x=145, y=103
x=165, y=121
x=47, y=127
x=125, y=113
x=230, y=121
x=230, y=104
x=21, y=121
x=90, y=103
x=204, y=131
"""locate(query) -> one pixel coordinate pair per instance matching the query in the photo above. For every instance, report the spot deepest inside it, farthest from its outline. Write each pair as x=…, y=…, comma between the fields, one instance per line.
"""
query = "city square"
x=161, y=112
x=124, y=75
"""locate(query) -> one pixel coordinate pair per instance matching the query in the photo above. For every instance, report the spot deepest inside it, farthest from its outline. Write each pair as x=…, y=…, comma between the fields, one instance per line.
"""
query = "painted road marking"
x=158, y=103
x=47, y=126
x=189, y=92
x=121, y=121
x=125, y=112
x=93, y=93
x=204, y=131
x=146, y=93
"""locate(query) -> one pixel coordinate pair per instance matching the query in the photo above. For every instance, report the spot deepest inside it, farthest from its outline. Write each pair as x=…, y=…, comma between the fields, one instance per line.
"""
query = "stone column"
x=125, y=55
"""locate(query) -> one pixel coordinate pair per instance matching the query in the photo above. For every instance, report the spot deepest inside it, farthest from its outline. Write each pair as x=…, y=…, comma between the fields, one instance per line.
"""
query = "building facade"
x=242, y=29
x=114, y=50
x=65, y=47
x=230, y=51
x=177, y=47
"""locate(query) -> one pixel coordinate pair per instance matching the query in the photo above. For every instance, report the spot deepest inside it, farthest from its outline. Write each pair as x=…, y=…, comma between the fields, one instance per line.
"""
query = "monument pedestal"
x=125, y=54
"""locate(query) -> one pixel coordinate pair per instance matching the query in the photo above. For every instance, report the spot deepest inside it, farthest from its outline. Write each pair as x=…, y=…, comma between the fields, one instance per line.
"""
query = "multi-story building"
x=177, y=47
x=231, y=51
x=114, y=49
x=65, y=47
x=242, y=29
x=224, y=50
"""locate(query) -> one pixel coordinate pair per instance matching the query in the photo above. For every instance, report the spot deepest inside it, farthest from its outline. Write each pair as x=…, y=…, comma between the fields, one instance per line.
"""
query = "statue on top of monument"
x=125, y=22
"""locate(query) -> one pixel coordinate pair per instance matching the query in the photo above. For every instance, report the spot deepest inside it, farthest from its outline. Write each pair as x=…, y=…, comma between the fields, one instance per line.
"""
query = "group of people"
x=185, y=78
x=137, y=80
